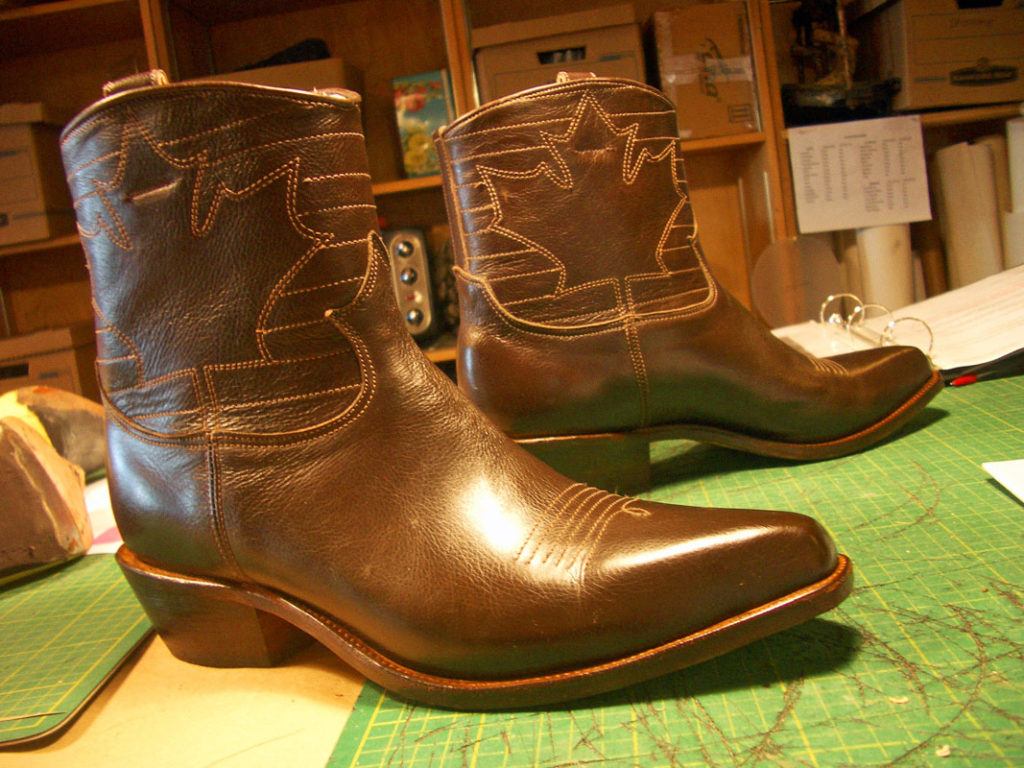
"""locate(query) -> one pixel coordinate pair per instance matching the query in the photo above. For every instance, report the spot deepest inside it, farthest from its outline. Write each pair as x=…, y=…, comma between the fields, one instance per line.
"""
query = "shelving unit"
x=442, y=350
x=62, y=52
x=949, y=126
x=214, y=37
x=383, y=188
x=39, y=246
x=970, y=115
x=966, y=116
x=52, y=27
x=940, y=128
x=721, y=143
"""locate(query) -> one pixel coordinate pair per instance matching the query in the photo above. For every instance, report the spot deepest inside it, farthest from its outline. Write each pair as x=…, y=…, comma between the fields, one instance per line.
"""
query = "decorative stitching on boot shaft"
x=558, y=209
x=210, y=171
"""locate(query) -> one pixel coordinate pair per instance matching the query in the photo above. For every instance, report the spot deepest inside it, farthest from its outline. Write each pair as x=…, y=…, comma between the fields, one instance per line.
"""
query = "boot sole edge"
x=472, y=694
x=553, y=448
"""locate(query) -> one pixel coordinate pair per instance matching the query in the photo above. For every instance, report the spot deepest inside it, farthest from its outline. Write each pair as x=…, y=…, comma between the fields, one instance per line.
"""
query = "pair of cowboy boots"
x=284, y=463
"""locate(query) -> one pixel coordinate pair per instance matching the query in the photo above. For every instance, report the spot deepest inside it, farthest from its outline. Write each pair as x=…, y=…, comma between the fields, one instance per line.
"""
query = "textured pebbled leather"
x=272, y=423
x=587, y=305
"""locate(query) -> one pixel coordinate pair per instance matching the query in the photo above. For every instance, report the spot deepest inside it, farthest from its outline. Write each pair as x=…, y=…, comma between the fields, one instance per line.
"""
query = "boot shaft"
x=568, y=204
x=221, y=223
x=245, y=319
x=581, y=268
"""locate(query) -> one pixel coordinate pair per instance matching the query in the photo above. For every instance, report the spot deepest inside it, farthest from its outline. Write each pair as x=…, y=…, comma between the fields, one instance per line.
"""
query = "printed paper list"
x=860, y=174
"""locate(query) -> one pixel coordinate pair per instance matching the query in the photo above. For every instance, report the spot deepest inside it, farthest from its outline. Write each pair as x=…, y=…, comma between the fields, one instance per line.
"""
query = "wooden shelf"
x=405, y=185
x=970, y=115
x=53, y=8
x=211, y=12
x=61, y=52
x=442, y=350
x=67, y=24
x=721, y=143
x=33, y=246
x=962, y=115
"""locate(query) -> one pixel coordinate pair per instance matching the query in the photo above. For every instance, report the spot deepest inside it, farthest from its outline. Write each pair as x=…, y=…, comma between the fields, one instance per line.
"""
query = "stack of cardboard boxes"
x=34, y=199
x=702, y=51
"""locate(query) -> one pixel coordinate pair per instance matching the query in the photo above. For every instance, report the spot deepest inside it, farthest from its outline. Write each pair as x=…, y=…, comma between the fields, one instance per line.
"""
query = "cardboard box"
x=61, y=357
x=706, y=69
x=34, y=200
x=944, y=55
x=303, y=75
x=518, y=55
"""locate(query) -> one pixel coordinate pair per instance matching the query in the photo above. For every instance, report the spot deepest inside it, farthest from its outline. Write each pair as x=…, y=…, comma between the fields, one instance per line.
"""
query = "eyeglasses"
x=874, y=323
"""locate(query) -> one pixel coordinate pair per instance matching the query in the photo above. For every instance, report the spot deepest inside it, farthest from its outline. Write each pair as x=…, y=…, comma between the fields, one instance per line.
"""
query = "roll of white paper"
x=887, y=270
x=1015, y=154
x=935, y=194
x=1013, y=237
x=849, y=259
x=1001, y=168
x=919, y=292
x=972, y=231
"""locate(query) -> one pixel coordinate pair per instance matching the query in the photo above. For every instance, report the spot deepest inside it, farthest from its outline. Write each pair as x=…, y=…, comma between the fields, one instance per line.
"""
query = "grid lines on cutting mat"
x=62, y=632
x=926, y=655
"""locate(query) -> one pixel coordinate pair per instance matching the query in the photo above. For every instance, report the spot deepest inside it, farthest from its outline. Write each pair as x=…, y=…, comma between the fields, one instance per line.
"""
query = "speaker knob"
x=404, y=248
x=414, y=317
x=408, y=276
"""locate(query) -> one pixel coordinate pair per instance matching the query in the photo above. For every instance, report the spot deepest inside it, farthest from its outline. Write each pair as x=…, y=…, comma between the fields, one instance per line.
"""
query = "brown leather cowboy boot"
x=591, y=324
x=284, y=462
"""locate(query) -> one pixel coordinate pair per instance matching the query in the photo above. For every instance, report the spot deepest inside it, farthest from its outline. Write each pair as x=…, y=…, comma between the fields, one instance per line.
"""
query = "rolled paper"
x=1015, y=157
x=849, y=259
x=1001, y=168
x=919, y=290
x=967, y=188
x=937, y=201
x=887, y=270
x=1013, y=237
x=927, y=243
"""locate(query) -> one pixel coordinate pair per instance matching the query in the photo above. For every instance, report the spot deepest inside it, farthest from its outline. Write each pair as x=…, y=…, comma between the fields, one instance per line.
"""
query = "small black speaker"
x=410, y=271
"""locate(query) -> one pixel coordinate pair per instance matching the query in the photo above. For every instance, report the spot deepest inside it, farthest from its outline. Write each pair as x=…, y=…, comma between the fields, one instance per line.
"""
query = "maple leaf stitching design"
x=633, y=161
x=133, y=130
x=200, y=162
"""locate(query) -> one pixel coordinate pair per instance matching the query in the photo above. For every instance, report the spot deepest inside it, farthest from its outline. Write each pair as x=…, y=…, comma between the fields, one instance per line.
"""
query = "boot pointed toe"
x=888, y=377
x=695, y=567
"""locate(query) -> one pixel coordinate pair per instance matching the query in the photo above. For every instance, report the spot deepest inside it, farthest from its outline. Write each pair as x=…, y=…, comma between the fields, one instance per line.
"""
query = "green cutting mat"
x=62, y=633
x=924, y=659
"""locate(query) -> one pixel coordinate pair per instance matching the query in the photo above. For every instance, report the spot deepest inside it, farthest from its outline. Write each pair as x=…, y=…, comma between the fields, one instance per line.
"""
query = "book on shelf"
x=423, y=103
